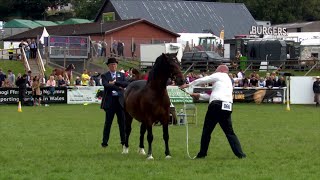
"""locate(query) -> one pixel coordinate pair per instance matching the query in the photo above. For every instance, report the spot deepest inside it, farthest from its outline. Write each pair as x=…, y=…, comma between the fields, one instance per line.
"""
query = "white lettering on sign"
x=278, y=31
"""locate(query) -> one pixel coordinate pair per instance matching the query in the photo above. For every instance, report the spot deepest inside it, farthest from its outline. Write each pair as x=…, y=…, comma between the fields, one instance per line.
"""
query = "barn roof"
x=82, y=29
x=186, y=16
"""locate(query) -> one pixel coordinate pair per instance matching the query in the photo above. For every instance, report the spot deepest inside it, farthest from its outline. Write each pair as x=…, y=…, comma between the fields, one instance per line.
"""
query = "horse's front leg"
x=150, y=139
x=127, y=132
x=143, y=130
x=165, y=129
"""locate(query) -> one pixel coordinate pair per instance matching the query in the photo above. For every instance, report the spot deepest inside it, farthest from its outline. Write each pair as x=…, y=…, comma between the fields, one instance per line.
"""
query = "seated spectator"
x=281, y=82
x=51, y=83
x=92, y=82
x=261, y=82
x=61, y=81
x=6, y=84
x=42, y=81
x=269, y=82
x=246, y=82
x=96, y=77
x=2, y=77
x=85, y=78
x=253, y=81
x=77, y=82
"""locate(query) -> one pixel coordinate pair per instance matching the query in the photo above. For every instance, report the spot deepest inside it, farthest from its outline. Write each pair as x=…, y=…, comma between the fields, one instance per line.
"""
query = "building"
x=183, y=16
x=130, y=32
x=313, y=26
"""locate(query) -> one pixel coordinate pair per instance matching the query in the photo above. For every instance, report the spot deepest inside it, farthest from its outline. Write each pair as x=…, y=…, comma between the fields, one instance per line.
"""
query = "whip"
x=186, y=123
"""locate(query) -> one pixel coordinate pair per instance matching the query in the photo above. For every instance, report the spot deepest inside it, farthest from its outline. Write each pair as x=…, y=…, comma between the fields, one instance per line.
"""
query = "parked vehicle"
x=202, y=60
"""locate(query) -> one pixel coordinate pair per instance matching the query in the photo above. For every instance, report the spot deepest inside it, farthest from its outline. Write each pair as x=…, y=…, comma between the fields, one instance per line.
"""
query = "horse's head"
x=71, y=67
x=174, y=68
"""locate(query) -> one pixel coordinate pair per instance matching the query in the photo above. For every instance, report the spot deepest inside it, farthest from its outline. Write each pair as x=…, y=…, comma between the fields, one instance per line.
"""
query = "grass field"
x=63, y=142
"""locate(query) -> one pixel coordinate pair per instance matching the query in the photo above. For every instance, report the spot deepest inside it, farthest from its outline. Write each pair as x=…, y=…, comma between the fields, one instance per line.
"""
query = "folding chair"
x=191, y=111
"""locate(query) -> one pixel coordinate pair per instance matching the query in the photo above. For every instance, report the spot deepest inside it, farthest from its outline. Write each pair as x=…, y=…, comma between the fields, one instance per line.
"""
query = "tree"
x=86, y=8
x=27, y=9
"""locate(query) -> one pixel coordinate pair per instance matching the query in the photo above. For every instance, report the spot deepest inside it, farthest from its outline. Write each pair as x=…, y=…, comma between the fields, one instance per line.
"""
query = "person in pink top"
x=51, y=83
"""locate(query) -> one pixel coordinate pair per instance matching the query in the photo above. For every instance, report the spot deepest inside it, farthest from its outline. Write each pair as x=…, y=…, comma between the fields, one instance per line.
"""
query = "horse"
x=66, y=73
x=148, y=101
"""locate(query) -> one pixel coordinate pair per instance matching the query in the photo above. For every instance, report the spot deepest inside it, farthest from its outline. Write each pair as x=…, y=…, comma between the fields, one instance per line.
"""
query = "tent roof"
x=46, y=23
x=76, y=21
x=21, y=23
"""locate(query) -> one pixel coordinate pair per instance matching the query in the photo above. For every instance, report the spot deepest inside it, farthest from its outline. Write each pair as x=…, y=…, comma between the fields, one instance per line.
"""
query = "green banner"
x=178, y=96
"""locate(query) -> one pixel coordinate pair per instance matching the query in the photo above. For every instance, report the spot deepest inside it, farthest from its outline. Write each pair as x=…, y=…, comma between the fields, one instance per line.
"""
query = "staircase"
x=34, y=67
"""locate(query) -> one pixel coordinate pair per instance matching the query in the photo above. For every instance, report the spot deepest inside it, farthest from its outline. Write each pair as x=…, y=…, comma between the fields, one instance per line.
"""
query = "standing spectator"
x=114, y=83
x=11, y=78
x=133, y=49
x=10, y=51
x=21, y=46
x=33, y=49
x=2, y=77
x=85, y=78
x=120, y=48
x=41, y=48
x=114, y=47
x=104, y=48
x=29, y=78
x=316, y=90
x=219, y=110
x=36, y=91
x=27, y=48
x=22, y=84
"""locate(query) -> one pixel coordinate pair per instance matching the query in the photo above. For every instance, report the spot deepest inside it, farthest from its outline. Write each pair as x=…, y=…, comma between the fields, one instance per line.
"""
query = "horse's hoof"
x=168, y=157
x=125, y=150
x=150, y=157
x=141, y=151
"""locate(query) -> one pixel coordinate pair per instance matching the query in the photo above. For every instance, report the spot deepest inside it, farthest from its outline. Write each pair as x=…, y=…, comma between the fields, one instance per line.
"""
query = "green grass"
x=15, y=66
x=63, y=142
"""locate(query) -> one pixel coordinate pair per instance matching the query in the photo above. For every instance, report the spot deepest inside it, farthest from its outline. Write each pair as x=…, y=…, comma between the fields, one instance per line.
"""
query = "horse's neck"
x=158, y=84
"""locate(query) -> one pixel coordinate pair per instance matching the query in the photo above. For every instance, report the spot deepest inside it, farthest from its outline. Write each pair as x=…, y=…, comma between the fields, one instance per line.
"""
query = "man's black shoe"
x=199, y=156
x=103, y=145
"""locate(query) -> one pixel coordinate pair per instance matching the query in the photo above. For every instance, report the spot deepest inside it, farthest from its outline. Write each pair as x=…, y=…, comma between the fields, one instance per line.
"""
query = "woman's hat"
x=111, y=60
x=318, y=77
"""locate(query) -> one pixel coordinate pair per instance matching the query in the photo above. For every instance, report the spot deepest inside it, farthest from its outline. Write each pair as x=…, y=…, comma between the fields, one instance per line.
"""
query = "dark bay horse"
x=66, y=73
x=148, y=101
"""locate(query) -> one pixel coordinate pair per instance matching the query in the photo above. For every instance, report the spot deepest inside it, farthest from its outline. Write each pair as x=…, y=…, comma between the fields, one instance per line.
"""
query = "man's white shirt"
x=221, y=87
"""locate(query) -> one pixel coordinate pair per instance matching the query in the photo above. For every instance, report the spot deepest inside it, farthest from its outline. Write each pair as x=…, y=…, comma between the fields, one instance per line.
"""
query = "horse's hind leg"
x=165, y=130
x=143, y=130
x=150, y=139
